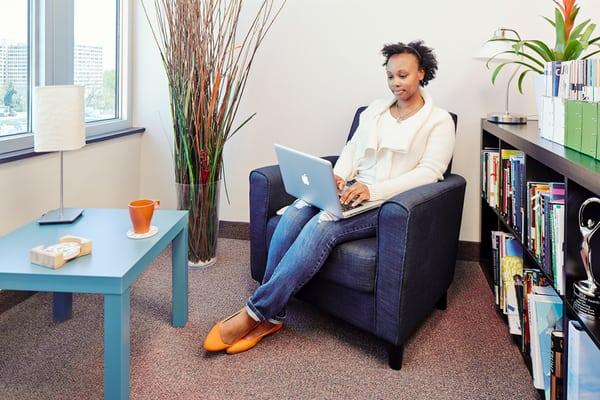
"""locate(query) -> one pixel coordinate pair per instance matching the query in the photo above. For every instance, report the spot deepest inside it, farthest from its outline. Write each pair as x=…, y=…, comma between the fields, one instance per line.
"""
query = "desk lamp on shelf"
x=497, y=50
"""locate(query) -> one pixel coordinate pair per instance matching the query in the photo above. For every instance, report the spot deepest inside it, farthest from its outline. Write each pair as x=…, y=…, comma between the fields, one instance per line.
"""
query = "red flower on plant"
x=568, y=10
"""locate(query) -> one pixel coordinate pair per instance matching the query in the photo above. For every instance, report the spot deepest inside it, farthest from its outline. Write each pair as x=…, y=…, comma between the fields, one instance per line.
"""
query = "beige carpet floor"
x=464, y=352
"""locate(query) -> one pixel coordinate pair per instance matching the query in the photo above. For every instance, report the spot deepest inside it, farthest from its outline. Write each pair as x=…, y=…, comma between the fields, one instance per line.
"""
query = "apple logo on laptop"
x=305, y=179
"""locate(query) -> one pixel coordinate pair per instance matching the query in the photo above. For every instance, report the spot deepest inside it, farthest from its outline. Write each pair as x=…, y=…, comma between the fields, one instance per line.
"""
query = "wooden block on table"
x=57, y=255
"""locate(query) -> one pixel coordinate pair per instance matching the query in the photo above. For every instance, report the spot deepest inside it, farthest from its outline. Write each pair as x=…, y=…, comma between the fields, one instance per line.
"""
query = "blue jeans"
x=298, y=249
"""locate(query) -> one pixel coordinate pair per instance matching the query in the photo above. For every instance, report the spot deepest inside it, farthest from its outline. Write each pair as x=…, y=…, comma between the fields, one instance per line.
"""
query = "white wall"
x=321, y=60
x=104, y=174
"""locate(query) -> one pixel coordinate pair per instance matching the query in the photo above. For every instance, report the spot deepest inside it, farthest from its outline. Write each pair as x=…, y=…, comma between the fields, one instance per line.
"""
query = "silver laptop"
x=311, y=179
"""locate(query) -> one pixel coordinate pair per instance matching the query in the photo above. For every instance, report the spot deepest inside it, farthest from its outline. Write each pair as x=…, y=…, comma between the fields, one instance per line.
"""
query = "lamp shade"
x=58, y=118
x=493, y=48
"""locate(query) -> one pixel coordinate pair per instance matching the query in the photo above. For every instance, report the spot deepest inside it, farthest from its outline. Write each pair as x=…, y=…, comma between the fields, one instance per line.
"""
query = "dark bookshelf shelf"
x=578, y=167
x=591, y=327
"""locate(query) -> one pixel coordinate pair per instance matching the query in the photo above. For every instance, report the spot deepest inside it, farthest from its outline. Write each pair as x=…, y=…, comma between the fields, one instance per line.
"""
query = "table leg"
x=179, y=311
x=116, y=345
x=62, y=306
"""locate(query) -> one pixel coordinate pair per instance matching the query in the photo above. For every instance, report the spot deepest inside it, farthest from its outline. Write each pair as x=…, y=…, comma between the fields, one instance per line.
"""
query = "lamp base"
x=69, y=215
x=507, y=118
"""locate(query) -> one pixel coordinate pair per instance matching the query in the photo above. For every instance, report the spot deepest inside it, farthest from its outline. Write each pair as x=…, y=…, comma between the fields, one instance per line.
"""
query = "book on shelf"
x=507, y=261
x=506, y=194
x=545, y=316
x=532, y=277
x=490, y=176
x=545, y=212
x=583, y=359
x=517, y=178
x=557, y=339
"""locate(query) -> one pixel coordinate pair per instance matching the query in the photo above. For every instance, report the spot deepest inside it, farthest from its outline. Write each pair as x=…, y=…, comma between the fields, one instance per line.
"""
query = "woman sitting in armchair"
x=401, y=143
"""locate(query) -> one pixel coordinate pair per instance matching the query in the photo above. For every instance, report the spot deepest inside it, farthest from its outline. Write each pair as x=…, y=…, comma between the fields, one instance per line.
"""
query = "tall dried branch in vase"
x=207, y=59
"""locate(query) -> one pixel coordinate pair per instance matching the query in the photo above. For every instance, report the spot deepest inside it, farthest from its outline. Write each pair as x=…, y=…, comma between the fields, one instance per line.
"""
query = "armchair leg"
x=442, y=303
x=395, y=354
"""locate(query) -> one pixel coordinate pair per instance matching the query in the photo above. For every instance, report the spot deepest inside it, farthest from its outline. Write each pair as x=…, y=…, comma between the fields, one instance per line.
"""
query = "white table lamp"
x=495, y=48
x=59, y=125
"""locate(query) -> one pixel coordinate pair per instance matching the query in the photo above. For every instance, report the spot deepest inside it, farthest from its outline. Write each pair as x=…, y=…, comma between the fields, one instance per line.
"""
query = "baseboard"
x=234, y=230
x=467, y=251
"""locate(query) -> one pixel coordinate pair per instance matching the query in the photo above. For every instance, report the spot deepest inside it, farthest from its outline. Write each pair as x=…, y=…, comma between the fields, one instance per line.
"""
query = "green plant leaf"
x=549, y=20
x=591, y=54
x=573, y=50
x=574, y=14
x=577, y=30
x=585, y=36
x=499, y=68
x=520, y=81
x=560, y=32
x=539, y=51
x=550, y=56
x=519, y=53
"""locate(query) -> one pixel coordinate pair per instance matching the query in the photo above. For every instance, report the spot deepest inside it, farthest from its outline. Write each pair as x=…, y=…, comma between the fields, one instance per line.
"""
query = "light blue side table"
x=114, y=265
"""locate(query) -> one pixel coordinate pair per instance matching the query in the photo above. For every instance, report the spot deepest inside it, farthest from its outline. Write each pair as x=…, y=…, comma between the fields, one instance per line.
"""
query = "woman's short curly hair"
x=425, y=55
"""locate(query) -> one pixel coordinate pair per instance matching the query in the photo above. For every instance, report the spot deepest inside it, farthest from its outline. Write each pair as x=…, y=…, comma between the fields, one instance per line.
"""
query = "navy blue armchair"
x=387, y=284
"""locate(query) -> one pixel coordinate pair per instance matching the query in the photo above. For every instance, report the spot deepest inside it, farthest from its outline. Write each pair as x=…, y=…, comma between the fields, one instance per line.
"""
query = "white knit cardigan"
x=416, y=154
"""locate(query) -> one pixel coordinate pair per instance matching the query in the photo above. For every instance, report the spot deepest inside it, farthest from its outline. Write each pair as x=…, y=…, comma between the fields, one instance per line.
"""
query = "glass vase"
x=202, y=202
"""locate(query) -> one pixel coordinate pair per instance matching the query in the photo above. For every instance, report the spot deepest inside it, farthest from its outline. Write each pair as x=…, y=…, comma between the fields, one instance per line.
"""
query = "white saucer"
x=132, y=235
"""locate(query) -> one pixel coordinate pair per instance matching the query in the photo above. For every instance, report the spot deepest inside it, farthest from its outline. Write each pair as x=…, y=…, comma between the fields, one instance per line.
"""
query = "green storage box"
x=589, y=129
x=573, y=124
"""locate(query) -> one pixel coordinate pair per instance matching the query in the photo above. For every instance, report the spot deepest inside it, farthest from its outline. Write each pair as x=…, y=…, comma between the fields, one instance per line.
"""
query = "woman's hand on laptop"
x=339, y=182
x=358, y=192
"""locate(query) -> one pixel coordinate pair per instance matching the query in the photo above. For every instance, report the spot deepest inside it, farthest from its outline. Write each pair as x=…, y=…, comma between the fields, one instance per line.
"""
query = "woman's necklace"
x=404, y=117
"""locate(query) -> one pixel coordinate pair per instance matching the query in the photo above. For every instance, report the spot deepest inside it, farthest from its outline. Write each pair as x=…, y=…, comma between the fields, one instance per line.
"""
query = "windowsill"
x=26, y=153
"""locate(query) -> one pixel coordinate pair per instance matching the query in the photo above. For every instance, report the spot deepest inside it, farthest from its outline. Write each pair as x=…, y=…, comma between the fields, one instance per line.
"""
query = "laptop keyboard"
x=349, y=206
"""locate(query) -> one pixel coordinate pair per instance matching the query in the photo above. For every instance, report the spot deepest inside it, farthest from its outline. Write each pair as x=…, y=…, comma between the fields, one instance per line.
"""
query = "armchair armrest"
x=417, y=236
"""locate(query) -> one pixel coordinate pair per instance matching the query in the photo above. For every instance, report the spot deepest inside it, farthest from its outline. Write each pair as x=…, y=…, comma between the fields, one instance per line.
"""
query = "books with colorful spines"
x=533, y=215
x=519, y=290
x=545, y=316
x=496, y=235
x=531, y=277
x=517, y=179
x=493, y=179
x=583, y=358
x=511, y=264
x=555, y=195
x=489, y=175
x=557, y=212
x=507, y=193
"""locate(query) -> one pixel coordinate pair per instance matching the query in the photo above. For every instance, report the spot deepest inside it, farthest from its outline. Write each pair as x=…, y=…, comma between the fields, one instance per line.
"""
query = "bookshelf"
x=545, y=161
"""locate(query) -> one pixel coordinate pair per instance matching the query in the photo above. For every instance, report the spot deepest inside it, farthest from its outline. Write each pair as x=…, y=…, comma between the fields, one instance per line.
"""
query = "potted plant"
x=571, y=42
x=207, y=59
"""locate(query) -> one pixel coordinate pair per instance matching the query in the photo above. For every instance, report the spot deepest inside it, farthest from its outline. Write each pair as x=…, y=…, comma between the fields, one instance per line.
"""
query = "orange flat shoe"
x=213, y=341
x=247, y=343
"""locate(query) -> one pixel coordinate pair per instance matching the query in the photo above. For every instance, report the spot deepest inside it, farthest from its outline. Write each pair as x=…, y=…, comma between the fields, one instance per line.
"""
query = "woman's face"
x=404, y=75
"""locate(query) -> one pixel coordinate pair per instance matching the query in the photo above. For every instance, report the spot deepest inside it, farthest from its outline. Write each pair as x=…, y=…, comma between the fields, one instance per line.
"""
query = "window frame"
x=51, y=62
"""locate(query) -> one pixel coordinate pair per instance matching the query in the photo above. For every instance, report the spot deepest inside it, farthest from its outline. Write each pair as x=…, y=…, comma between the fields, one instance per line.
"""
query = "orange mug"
x=140, y=212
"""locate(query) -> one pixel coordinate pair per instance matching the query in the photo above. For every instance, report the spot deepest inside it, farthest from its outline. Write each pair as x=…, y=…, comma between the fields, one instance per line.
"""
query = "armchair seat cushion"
x=351, y=264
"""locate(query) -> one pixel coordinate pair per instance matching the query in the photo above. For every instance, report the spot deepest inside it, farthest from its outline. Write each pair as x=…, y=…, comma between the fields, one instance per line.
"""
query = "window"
x=95, y=61
x=61, y=42
x=14, y=67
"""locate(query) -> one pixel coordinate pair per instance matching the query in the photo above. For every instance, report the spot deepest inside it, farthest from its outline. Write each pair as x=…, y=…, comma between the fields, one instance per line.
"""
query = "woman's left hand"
x=358, y=192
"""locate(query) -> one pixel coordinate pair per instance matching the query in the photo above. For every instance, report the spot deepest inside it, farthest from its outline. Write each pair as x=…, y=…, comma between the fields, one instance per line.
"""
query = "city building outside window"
x=56, y=42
